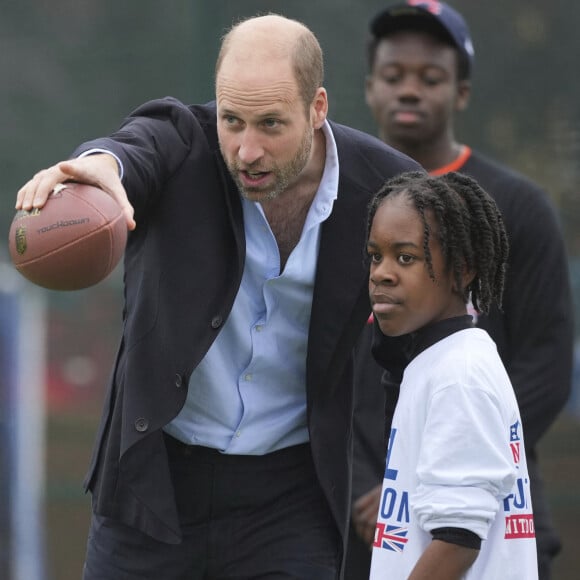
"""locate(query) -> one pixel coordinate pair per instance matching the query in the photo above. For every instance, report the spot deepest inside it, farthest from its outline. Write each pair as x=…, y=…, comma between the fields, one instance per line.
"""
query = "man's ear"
x=319, y=108
x=463, y=95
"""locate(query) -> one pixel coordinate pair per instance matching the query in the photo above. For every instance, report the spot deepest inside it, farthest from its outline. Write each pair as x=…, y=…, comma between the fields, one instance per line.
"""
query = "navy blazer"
x=183, y=266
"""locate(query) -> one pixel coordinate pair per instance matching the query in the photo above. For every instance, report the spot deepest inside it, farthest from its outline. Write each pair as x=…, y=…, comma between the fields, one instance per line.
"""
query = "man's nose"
x=410, y=88
x=250, y=149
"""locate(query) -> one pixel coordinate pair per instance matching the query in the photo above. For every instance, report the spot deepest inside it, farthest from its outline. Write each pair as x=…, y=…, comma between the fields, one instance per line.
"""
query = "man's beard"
x=284, y=176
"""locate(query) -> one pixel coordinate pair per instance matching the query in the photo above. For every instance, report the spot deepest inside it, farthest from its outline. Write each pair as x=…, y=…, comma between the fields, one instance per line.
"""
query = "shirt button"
x=259, y=328
x=178, y=380
x=141, y=424
x=248, y=377
x=238, y=433
x=216, y=321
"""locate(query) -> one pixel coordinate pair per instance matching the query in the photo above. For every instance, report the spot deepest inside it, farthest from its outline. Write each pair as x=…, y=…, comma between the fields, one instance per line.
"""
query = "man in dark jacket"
x=420, y=58
x=225, y=445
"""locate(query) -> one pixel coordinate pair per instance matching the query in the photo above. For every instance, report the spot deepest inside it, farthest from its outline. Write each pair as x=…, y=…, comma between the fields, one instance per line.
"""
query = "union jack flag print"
x=390, y=537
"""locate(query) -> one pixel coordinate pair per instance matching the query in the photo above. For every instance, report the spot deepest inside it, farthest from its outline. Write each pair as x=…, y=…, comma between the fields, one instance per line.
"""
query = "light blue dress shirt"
x=248, y=394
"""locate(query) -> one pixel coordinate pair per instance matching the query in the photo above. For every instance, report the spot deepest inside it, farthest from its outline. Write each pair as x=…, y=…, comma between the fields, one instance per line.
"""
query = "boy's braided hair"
x=470, y=230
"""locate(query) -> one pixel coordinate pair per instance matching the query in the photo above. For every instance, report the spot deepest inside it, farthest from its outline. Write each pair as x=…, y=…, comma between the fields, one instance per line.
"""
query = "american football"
x=74, y=241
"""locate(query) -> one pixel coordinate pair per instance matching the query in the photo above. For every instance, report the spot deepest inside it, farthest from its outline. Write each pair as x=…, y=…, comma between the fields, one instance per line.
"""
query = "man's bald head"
x=271, y=38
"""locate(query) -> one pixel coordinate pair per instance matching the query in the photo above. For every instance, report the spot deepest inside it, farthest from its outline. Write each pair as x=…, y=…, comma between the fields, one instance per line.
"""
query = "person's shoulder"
x=498, y=178
x=170, y=114
x=516, y=194
x=354, y=140
x=463, y=355
x=453, y=351
x=366, y=153
x=174, y=109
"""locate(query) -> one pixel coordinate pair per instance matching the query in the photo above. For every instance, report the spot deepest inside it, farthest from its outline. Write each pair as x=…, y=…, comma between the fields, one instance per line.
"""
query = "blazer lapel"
x=341, y=305
x=340, y=284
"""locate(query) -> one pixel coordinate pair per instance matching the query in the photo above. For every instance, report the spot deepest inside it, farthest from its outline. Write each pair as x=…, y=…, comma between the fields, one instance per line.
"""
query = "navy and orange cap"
x=448, y=20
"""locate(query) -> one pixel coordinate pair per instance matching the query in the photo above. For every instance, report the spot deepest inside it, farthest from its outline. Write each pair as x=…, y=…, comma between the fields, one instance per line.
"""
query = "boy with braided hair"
x=455, y=500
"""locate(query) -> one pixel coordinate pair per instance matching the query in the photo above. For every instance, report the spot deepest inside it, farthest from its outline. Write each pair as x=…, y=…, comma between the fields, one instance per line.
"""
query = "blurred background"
x=73, y=69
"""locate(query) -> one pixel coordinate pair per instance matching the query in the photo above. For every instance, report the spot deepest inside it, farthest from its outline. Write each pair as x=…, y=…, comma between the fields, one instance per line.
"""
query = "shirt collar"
x=328, y=187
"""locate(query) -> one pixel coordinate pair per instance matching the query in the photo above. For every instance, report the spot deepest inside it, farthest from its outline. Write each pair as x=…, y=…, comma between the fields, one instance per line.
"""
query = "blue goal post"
x=22, y=427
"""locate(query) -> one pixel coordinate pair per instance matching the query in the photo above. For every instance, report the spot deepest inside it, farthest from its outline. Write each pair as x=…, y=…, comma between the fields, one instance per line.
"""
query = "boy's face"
x=403, y=296
x=413, y=90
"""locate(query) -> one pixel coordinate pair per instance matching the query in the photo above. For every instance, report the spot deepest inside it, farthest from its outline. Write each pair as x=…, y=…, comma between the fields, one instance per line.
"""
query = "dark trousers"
x=242, y=517
x=547, y=539
x=358, y=557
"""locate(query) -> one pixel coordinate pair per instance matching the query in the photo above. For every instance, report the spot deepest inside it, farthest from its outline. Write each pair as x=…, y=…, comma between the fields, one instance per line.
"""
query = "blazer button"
x=216, y=321
x=141, y=424
x=178, y=380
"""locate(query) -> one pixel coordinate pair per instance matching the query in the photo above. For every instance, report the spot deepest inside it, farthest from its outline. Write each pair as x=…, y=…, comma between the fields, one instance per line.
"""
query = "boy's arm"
x=443, y=561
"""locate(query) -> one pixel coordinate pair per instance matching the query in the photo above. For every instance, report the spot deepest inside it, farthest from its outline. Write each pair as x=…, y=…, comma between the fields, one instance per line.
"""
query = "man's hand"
x=364, y=514
x=100, y=170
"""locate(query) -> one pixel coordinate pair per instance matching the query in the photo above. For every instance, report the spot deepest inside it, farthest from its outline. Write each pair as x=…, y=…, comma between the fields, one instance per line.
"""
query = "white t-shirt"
x=456, y=459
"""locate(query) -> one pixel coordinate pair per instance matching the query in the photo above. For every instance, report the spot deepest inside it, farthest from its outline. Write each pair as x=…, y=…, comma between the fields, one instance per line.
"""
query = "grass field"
x=69, y=440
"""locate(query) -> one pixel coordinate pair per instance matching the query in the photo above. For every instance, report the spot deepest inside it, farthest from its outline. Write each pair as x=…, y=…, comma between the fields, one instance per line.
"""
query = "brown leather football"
x=74, y=241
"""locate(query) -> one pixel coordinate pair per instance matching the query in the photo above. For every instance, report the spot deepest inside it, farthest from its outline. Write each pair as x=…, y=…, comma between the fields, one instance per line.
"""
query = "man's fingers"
x=101, y=170
x=368, y=501
x=35, y=192
x=364, y=514
x=366, y=533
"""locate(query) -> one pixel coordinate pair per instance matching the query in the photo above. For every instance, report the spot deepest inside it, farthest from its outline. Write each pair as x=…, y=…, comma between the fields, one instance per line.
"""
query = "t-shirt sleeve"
x=465, y=464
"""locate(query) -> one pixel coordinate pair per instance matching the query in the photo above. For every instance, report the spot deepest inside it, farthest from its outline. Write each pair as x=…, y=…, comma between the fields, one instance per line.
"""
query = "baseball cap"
x=448, y=20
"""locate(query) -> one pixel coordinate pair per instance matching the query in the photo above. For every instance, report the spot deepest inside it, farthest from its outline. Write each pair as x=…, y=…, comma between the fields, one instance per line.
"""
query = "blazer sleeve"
x=151, y=143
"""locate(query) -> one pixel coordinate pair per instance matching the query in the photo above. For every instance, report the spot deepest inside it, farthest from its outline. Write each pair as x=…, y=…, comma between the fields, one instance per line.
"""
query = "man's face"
x=264, y=132
x=413, y=90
